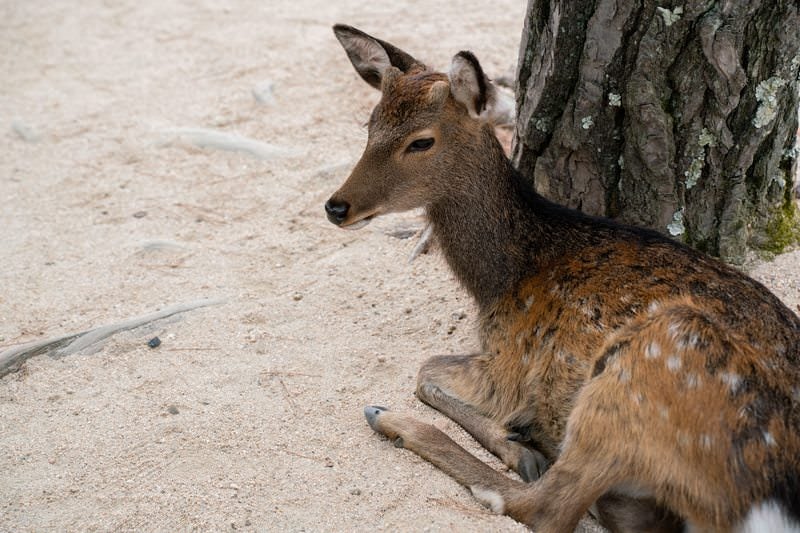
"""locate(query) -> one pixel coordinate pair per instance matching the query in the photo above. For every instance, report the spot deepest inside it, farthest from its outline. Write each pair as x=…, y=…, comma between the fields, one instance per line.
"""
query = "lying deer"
x=620, y=371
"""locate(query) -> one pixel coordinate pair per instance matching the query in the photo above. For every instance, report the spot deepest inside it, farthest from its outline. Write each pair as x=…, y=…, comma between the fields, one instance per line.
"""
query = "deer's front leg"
x=447, y=383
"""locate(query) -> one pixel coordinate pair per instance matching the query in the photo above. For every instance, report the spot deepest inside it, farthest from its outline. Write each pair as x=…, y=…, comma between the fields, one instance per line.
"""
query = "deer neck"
x=488, y=226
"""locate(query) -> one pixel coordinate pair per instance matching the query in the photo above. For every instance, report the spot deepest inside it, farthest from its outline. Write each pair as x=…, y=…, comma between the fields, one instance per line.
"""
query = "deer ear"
x=370, y=56
x=472, y=89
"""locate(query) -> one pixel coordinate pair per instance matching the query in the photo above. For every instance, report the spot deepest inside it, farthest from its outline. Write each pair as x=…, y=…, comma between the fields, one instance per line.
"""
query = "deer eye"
x=420, y=145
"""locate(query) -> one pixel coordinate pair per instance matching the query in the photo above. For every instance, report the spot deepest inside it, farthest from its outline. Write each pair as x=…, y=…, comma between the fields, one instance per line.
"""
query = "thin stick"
x=288, y=394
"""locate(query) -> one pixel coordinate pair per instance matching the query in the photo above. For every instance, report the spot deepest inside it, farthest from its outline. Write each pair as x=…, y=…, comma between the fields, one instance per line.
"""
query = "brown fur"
x=661, y=384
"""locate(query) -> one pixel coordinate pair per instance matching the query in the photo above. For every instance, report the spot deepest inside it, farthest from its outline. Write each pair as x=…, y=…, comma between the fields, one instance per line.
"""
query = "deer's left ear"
x=372, y=57
x=471, y=88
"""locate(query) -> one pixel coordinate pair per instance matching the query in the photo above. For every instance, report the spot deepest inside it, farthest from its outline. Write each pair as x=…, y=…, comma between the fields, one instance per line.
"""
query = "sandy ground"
x=249, y=414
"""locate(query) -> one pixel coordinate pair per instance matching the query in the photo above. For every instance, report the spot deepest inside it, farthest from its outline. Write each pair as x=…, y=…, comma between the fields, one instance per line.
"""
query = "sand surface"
x=249, y=413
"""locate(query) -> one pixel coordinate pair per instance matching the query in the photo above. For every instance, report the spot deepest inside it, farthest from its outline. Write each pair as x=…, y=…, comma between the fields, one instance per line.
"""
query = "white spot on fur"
x=692, y=381
x=731, y=379
x=796, y=394
x=769, y=439
x=674, y=363
x=490, y=498
x=624, y=375
x=653, y=307
x=674, y=330
x=652, y=350
x=706, y=441
x=664, y=412
x=528, y=302
x=768, y=517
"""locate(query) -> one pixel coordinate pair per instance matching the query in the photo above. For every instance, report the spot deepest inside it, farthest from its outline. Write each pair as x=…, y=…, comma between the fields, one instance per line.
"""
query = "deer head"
x=423, y=134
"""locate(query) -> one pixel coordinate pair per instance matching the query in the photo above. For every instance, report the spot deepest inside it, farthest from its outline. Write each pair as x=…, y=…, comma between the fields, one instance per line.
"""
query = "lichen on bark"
x=698, y=100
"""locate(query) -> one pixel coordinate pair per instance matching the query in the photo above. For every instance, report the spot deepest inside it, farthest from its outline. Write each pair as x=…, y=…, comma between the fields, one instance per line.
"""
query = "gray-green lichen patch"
x=614, y=100
x=676, y=227
x=706, y=138
x=670, y=17
x=779, y=178
x=542, y=124
x=587, y=122
x=767, y=96
x=695, y=170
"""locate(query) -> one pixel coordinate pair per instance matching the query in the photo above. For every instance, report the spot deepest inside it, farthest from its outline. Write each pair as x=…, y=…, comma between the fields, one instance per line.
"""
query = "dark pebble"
x=155, y=342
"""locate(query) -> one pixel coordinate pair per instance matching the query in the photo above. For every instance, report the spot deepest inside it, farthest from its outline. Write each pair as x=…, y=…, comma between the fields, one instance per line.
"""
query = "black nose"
x=336, y=210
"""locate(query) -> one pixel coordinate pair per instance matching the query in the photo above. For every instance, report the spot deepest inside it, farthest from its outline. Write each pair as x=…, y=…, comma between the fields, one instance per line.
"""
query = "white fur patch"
x=767, y=517
x=674, y=363
x=732, y=380
x=652, y=350
x=490, y=498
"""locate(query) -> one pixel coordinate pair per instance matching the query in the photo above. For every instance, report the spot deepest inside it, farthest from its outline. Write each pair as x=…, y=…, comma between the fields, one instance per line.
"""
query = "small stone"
x=459, y=315
x=25, y=131
x=140, y=214
x=355, y=492
x=297, y=297
x=155, y=342
x=173, y=410
x=328, y=462
x=381, y=359
x=263, y=92
x=450, y=330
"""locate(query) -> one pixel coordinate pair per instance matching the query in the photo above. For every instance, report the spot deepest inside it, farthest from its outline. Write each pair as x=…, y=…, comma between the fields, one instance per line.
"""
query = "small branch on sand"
x=11, y=359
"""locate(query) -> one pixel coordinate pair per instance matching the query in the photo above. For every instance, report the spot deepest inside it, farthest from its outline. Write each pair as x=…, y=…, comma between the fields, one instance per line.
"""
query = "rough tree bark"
x=677, y=116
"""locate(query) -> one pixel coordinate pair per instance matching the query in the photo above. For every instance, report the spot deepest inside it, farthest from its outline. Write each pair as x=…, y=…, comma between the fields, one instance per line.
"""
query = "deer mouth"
x=358, y=224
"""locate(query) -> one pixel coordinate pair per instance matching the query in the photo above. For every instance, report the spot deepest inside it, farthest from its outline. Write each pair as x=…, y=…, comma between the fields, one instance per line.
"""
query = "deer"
x=620, y=372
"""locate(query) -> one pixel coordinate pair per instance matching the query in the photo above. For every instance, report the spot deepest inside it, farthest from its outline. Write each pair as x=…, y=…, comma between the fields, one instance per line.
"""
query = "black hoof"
x=372, y=412
x=532, y=465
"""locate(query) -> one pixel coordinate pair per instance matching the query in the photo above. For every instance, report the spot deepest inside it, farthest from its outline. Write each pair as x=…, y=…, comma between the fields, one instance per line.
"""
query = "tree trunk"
x=683, y=118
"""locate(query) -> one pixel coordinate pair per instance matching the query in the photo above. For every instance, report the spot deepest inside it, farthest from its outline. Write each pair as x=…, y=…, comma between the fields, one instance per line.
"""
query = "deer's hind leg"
x=453, y=385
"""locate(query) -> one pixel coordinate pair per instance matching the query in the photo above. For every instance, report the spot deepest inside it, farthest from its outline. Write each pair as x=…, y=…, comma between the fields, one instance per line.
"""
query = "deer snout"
x=336, y=210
